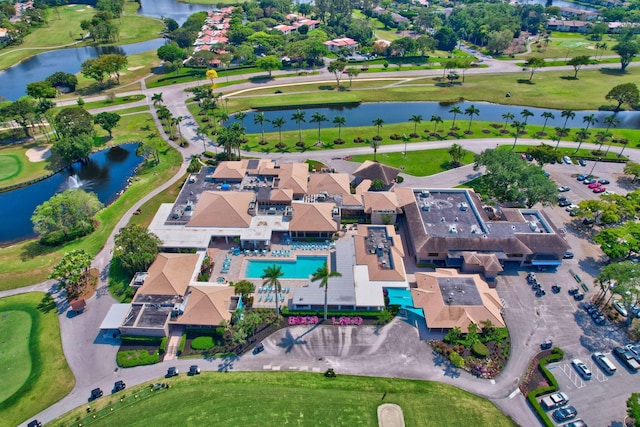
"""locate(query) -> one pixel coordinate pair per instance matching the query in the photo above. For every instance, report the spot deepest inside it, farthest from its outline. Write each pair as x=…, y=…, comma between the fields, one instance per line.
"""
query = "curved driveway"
x=92, y=358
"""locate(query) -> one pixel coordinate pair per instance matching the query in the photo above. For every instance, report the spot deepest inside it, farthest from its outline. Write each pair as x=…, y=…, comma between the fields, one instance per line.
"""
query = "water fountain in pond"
x=74, y=182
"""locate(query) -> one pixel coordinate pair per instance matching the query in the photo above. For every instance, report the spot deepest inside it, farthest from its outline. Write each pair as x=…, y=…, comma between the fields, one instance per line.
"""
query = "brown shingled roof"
x=222, y=209
x=170, y=274
x=313, y=217
x=374, y=170
x=207, y=306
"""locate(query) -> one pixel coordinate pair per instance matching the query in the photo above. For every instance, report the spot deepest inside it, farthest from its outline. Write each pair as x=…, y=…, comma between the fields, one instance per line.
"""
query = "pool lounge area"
x=300, y=268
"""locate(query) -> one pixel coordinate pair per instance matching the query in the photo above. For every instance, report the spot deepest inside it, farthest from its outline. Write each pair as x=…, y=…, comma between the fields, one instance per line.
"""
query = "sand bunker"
x=135, y=68
x=39, y=154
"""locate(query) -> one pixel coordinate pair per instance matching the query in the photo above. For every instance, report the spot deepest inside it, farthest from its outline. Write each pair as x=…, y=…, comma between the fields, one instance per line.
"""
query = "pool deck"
x=261, y=299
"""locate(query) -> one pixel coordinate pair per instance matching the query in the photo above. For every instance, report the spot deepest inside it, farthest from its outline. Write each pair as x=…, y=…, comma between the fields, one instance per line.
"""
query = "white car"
x=582, y=369
x=620, y=308
x=608, y=192
x=567, y=160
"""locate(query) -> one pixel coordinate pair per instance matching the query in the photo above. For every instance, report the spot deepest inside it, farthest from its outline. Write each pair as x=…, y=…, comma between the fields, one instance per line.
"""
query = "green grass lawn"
x=569, y=45
x=417, y=163
x=26, y=170
x=28, y=262
x=10, y=166
x=15, y=361
x=283, y=398
x=38, y=375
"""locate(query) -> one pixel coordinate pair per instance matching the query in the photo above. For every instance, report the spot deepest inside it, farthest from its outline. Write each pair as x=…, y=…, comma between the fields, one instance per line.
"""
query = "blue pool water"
x=301, y=268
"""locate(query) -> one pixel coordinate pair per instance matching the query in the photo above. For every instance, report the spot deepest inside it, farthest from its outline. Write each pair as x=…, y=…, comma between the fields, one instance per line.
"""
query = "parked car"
x=594, y=184
x=627, y=358
x=564, y=203
x=34, y=423
x=619, y=307
x=563, y=188
x=567, y=160
x=565, y=413
x=599, y=189
x=119, y=386
x=605, y=364
x=608, y=192
x=581, y=177
x=604, y=181
x=634, y=349
x=582, y=369
x=258, y=349
x=575, y=423
x=582, y=162
x=96, y=393
x=194, y=370
x=546, y=344
x=588, y=181
x=172, y=372
x=568, y=255
x=554, y=400
x=560, y=197
x=572, y=208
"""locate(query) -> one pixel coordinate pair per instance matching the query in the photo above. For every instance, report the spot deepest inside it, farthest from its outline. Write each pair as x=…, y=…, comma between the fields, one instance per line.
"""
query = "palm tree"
x=457, y=153
x=260, y=118
x=624, y=142
x=378, y=123
x=556, y=138
x=271, y=277
x=436, y=119
x=164, y=115
x=318, y=118
x=507, y=117
x=200, y=133
x=299, y=117
x=589, y=119
x=581, y=135
x=240, y=115
x=405, y=139
x=546, y=115
x=223, y=117
x=231, y=137
x=525, y=115
x=455, y=110
x=339, y=121
x=601, y=137
x=416, y=119
x=277, y=123
x=471, y=111
x=156, y=98
x=323, y=274
x=374, y=144
x=567, y=114
x=518, y=126
x=611, y=121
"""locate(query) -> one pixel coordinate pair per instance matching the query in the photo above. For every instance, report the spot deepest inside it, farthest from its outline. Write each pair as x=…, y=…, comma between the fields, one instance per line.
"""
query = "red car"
x=599, y=189
x=594, y=184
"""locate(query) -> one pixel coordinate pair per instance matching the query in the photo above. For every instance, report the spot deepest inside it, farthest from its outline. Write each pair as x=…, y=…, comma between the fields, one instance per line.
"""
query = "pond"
x=400, y=112
x=14, y=80
x=106, y=173
x=171, y=9
x=560, y=3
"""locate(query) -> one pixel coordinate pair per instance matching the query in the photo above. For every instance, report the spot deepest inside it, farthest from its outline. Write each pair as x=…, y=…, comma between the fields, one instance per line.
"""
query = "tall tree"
x=107, y=120
x=260, y=119
x=277, y=123
x=471, y=111
x=455, y=110
x=339, y=121
x=337, y=67
x=626, y=93
x=299, y=117
x=546, y=116
x=375, y=144
x=436, y=120
x=525, y=115
x=577, y=63
x=271, y=277
x=378, y=122
x=318, y=118
x=589, y=119
x=73, y=271
x=69, y=213
x=567, y=114
x=627, y=50
x=269, y=63
x=416, y=119
x=518, y=127
x=456, y=152
x=135, y=248
x=533, y=64
x=323, y=275
x=73, y=121
x=72, y=148
x=507, y=117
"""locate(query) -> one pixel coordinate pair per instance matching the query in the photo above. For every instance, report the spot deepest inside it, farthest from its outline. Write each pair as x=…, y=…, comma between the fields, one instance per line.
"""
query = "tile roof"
x=207, y=305
x=313, y=217
x=440, y=314
x=294, y=176
x=380, y=200
x=374, y=170
x=170, y=274
x=332, y=183
x=222, y=209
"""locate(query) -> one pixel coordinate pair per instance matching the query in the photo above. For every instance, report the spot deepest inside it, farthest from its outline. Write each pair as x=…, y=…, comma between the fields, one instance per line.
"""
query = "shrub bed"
x=556, y=355
x=480, y=349
x=131, y=358
x=202, y=343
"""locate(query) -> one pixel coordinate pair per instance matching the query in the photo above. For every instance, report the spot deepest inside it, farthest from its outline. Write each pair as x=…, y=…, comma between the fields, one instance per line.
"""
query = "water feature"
x=106, y=173
x=560, y=3
x=399, y=112
x=301, y=268
x=171, y=9
x=14, y=80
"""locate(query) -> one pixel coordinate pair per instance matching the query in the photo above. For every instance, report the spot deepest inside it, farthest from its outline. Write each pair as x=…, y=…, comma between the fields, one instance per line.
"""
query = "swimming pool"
x=301, y=268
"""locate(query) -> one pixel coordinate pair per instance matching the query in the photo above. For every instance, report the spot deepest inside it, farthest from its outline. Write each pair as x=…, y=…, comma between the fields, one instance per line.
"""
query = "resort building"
x=452, y=228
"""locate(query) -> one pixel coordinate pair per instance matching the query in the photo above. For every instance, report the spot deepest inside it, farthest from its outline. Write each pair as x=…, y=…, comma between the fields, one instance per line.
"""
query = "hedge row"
x=556, y=355
x=183, y=342
x=131, y=358
x=135, y=338
x=163, y=345
x=202, y=343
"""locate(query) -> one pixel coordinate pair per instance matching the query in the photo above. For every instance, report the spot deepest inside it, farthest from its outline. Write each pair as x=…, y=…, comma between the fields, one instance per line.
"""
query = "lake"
x=400, y=112
x=106, y=173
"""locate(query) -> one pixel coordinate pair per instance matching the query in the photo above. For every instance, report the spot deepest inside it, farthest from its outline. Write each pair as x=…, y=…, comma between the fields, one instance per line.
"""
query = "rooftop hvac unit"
x=533, y=226
x=425, y=208
x=424, y=194
x=464, y=206
x=453, y=229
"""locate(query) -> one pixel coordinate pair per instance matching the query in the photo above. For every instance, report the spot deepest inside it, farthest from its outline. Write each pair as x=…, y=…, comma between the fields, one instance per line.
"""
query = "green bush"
x=209, y=154
x=220, y=331
x=135, y=338
x=456, y=359
x=163, y=345
x=202, y=343
x=556, y=355
x=131, y=358
x=183, y=342
x=480, y=349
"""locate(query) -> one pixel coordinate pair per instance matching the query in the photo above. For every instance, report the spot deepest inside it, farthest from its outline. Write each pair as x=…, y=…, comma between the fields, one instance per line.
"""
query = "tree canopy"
x=73, y=121
x=73, y=271
x=107, y=120
x=135, y=248
x=626, y=93
x=72, y=148
x=66, y=215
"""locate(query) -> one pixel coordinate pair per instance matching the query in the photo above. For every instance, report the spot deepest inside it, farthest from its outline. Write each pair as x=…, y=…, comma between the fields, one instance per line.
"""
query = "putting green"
x=15, y=361
x=573, y=44
x=9, y=166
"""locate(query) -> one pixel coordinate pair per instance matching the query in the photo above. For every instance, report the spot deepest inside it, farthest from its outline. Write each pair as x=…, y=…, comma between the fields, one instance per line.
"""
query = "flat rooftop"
x=459, y=291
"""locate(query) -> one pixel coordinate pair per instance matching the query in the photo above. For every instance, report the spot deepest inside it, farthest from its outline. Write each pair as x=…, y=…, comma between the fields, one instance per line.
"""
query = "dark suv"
x=119, y=386
x=96, y=393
